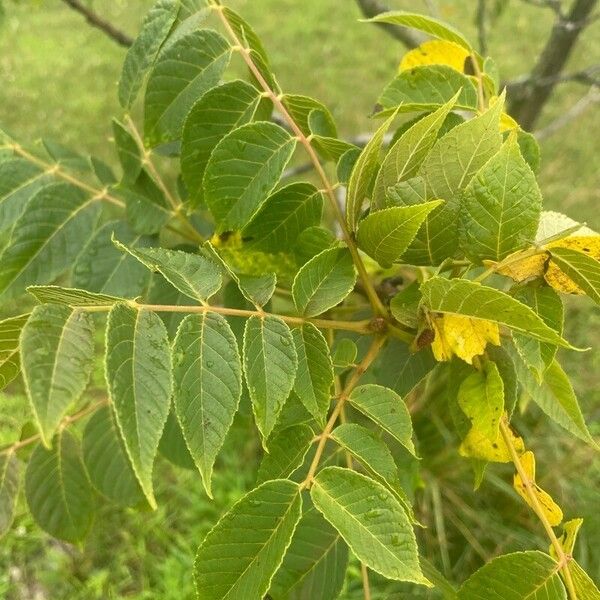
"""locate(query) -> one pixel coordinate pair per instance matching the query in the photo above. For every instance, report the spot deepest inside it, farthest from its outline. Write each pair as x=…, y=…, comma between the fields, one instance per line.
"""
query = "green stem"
x=175, y=205
x=55, y=170
x=327, y=186
x=364, y=326
x=357, y=373
x=98, y=194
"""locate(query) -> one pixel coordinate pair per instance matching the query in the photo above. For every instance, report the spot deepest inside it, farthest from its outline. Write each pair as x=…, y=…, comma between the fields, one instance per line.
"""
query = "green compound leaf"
x=386, y=234
x=446, y=171
x=242, y=171
x=106, y=460
x=548, y=305
x=217, y=113
x=57, y=352
x=428, y=25
x=581, y=268
x=145, y=48
x=19, y=181
x=48, y=236
x=387, y=409
x=207, y=375
x=371, y=521
x=192, y=274
x=138, y=375
x=463, y=297
x=315, y=563
x=10, y=362
x=242, y=552
x=270, y=364
x=181, y=75
x=368, y=449
x=407, y=154
x=58, y=491
x=428, y=88
x=315, y=371
x=55, y=294
x=102, y=268
x=287, y=449
x=284, y=216
x=324, y=281
x=501, y=206
x=10, y=481
x=362, y=175
x=528, y=575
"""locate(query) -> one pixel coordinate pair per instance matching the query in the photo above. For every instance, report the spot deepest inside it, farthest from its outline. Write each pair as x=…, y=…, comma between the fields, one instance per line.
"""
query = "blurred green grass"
x=58, y=80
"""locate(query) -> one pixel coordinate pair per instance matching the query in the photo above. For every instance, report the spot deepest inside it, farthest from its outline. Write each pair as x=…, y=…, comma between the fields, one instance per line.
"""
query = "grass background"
x=58, y=80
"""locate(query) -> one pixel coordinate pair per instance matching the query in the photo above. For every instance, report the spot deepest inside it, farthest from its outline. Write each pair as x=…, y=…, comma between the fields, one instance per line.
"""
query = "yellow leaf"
x=551, y=510
x=477, y=445
x=568, y=538
x=522, y=269
x=589, y=244
x=462, y=336
x=536, y=266
x=435, y=52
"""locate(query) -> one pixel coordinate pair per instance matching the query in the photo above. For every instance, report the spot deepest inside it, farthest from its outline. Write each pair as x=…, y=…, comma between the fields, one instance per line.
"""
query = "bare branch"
x=527, y=103
x=96, y=20
x=372, y=8
x=591, y=98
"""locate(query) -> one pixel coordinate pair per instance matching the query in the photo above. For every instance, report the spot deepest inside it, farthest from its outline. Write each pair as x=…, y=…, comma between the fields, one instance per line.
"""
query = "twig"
x=97, y=21
x=410, y=38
